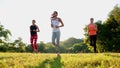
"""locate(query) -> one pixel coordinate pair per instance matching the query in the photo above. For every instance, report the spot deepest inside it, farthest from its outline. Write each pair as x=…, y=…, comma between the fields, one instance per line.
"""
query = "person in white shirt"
x=56, y=23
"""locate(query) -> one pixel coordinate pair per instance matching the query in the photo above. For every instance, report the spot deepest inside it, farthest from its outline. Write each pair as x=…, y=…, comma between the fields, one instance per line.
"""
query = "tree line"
x=71, y=45
x=108, y=39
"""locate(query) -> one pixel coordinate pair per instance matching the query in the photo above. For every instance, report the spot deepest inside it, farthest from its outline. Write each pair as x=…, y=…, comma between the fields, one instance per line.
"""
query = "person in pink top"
x=92, y=31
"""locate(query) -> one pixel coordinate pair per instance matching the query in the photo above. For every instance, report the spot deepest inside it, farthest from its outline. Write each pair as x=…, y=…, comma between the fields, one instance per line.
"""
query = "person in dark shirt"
x=33, y=32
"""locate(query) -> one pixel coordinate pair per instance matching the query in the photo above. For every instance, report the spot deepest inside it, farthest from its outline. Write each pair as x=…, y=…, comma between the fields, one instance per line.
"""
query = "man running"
x=33, y=39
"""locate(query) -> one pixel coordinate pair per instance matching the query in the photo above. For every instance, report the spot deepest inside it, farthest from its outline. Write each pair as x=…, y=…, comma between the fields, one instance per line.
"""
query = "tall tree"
x=4, y=33
x=4, y=37
x=113, y=24
x=20, y=45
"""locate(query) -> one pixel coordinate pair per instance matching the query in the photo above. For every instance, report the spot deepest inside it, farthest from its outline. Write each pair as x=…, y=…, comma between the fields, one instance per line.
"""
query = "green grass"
x=81, y=60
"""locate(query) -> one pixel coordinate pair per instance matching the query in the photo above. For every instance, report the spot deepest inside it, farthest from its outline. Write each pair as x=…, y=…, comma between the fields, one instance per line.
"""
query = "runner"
x=56, y=23
x=33, y=39
x=92, y=31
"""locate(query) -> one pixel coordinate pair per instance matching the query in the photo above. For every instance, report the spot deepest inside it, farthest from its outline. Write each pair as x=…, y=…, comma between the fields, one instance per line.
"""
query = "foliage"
x=71, y=41
x=50, y=48
x=4, y=37
x=17, y=46
x=4, y=33
x=81, y=47
x=41, y=46
x=20, y=45
x=29, y=48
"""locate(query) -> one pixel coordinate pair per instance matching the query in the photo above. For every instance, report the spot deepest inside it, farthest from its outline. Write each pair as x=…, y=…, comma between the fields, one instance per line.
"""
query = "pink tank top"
x=92, y=29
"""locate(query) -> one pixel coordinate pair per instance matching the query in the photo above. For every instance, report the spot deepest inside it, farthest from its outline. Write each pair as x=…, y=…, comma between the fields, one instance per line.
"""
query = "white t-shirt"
x=55, y=23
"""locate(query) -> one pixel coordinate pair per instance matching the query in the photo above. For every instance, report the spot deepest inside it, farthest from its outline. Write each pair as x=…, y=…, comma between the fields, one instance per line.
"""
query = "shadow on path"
x=51, y=63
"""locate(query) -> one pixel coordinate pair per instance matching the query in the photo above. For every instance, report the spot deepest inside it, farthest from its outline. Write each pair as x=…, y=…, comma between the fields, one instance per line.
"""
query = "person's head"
x=55, y=14
x=33, y=22
x=91, y=20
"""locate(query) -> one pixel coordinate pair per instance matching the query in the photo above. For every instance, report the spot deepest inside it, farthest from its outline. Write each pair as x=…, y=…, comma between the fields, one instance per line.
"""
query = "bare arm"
x=30, y=29
x=51, y=23
x=38, y=30
x=62, y=24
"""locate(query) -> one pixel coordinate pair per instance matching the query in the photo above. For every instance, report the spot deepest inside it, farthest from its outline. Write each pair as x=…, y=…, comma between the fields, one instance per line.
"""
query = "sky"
x=17, y=16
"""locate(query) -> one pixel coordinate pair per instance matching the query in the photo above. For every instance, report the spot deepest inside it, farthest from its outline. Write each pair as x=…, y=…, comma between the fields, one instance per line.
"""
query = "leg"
x=35, y=43
x=58, y=43
x=53, y=38
x=91, y=40
x=94, y=43
x=31, y=41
